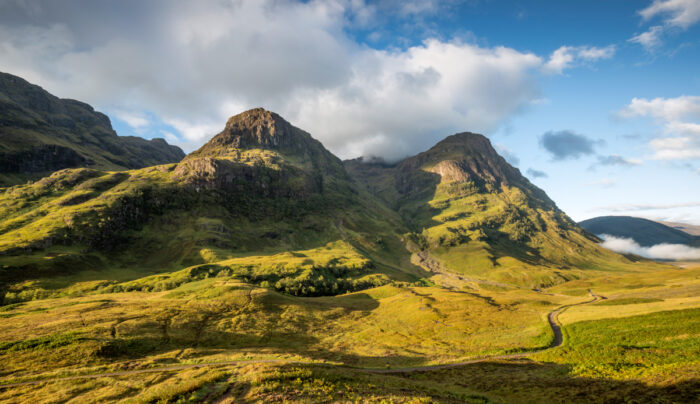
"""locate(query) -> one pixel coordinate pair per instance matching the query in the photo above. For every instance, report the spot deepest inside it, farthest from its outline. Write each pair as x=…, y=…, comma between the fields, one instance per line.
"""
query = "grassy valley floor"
x=642, y=342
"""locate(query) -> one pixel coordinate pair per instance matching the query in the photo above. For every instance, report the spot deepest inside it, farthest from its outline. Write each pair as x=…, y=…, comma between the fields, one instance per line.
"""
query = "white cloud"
x=192, y=65
x=650, y=39
x=680, y=13
x=136, y=120
x=675, y=13
x=681, y=138
x=415, y=97
x=568, y=56
x=666, y=109
x=658, y=251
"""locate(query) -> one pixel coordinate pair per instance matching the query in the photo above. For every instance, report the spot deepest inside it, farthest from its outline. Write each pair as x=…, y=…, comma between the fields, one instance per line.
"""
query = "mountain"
x=645, y=232
x=41, y=133
x=265, y=203
x=262, y=200
x=472, y=213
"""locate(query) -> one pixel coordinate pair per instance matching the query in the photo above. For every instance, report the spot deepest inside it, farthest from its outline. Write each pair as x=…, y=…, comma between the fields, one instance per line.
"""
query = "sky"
x=597, y=102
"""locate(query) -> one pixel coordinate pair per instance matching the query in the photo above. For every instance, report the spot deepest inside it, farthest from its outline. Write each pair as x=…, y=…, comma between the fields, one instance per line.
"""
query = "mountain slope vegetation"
x=41, y=133
x=477, y=215
x=262, y=268
x=264, y=188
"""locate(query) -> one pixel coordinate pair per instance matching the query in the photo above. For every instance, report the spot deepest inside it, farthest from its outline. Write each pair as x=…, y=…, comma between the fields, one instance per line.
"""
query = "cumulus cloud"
x=531, y=172
x=667, y=109
x=192, y=65
x=679, y=118
x=568, y=56
x=658, y=251
x=565, y=144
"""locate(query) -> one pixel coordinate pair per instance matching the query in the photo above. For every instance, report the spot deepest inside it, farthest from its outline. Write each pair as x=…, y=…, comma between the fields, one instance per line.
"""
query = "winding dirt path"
x=551, y=318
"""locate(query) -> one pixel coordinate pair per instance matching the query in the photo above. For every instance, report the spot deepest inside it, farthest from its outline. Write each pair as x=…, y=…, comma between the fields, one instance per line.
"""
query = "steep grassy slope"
x=40, y=133
x=475, y=214
x=264, y=188
x=645, y=232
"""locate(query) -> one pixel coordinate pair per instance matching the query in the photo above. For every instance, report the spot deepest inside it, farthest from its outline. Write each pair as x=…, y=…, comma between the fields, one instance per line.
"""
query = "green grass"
x=659, y=345
x=631, y=300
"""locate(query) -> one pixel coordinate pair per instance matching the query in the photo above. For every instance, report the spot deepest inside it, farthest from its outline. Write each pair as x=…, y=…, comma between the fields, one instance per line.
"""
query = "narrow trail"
x=551, y=318
x=556, y=342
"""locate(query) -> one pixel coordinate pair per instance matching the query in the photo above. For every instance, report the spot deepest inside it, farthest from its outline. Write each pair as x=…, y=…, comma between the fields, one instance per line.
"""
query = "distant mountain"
x=693, y=230
x=645, y=232
x=41, y=133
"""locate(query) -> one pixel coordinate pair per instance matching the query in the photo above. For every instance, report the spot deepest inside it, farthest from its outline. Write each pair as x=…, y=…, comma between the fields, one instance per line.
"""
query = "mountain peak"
x=255, y=128
x=464, y=156
x=259, y=128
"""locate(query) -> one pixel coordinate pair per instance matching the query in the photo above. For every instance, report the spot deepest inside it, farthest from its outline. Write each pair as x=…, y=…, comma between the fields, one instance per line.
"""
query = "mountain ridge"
x=307, y=223
x=41, y=133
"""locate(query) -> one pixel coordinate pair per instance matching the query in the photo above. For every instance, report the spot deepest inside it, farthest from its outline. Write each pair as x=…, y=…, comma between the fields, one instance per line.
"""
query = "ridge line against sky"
x=590, y=98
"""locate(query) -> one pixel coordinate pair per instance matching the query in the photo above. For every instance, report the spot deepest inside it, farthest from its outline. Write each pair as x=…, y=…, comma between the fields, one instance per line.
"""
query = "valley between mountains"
x=262, y=268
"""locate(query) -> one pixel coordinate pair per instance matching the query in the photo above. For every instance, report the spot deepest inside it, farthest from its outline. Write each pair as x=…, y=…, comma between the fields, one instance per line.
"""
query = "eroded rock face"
x=256, y=128
x=206, y=173
x=464, y=157
x=265, y=130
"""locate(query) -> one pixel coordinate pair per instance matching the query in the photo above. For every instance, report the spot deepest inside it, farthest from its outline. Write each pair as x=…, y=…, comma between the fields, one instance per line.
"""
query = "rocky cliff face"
x=41, y=133
x=262, y=137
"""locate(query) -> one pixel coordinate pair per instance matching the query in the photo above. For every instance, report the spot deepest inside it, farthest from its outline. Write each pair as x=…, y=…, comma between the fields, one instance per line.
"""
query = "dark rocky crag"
x=41, y=133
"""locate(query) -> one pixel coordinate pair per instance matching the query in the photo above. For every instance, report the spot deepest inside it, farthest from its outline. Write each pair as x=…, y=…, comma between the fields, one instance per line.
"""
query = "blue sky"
x=597, y=102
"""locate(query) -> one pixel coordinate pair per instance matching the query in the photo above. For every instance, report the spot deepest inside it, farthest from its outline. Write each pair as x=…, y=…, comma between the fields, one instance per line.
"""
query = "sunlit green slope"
x=259, y=188
x=472, y=213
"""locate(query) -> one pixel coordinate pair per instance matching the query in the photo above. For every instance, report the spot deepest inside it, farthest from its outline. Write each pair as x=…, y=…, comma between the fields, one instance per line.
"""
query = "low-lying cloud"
x=658, y=251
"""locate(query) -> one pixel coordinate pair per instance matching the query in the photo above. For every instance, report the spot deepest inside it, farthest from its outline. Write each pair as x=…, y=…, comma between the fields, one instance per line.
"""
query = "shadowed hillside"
x=40, y=133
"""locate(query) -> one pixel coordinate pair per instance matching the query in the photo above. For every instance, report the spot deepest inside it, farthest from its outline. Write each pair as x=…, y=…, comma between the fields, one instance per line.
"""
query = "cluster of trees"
x=336, y=277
